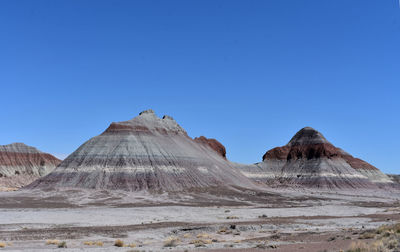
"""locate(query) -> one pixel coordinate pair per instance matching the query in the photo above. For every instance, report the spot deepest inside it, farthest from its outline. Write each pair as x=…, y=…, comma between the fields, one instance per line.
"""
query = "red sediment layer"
x=213, y=143
x=312, y=151
x=357, y=163
x=116, y=128
x=24, y=159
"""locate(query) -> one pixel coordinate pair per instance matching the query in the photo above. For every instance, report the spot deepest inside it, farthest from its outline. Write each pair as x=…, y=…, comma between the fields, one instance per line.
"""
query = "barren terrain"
x=280, y=220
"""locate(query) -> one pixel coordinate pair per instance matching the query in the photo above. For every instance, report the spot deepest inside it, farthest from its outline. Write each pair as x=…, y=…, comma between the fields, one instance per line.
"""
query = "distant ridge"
x=21, y=164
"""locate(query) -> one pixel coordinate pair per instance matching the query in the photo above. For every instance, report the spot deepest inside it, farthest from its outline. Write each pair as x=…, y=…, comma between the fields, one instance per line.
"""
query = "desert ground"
x=276, y=220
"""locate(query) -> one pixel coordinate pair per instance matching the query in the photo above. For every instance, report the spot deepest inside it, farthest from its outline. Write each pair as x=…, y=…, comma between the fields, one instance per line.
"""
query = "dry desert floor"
x=280, y=220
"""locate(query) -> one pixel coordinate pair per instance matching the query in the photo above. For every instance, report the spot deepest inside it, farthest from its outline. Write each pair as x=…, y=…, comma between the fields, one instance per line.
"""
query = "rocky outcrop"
x=21, y=164
x=311, y=160
x=213, y=144
x=395, y=178
x=146, y=153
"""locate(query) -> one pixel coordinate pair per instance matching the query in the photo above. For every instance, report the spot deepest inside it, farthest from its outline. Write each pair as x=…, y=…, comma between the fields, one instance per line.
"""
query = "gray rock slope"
x=21, y=164
x=145, y=153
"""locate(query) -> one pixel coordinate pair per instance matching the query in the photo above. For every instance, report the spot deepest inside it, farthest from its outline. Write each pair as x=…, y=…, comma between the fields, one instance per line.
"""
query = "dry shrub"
x=2, y=245
x=261, y=246
x=378, y=246
x=367, y=235
x=232, y=217
x=222, y=231
x=52, y=242
x=275, y=236
x=119, y=243
x=392, y=243
x=62, y=244
x=358, y=247
x=381, y=229
x=387, y=238
x=237, y=241
x=198, y=243
x=203, y=235
x=201, y=242
x=396, y=228
x=171, y=242
x=187, y=235
x=132, y=245
x=93, y=243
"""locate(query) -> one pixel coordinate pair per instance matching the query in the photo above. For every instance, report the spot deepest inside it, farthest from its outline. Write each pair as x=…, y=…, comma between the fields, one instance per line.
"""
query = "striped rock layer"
x=145, y=153
x=21, y=164
x=312, y=161
x=395, y=178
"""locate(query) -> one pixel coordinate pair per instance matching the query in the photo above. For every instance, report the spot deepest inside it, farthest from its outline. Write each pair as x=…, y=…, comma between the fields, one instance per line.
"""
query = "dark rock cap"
x=307, y=136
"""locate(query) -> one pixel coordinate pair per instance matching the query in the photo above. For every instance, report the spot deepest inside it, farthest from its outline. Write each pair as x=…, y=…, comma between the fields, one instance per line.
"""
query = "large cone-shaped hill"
x=146, y=153
x=21, y=164
x=311, y=160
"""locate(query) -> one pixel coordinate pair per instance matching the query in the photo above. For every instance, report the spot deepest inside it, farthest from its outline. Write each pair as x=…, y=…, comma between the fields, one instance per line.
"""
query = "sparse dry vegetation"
x=367, y=235
x=201, y=242
x=386, y=239
x=52, y=242
x=93, y=243
x=171, y=241
x=62, y=244
x=261, y=246
x=119, y=243
x=203, y=236
x=222, y=230
x=2, y=245
x=198, y=243
x=132, y=245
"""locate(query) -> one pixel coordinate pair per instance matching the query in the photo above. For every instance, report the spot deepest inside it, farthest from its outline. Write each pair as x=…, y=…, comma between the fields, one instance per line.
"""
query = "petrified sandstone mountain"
x=146, y=153
x=21, y=164
x=311, y=160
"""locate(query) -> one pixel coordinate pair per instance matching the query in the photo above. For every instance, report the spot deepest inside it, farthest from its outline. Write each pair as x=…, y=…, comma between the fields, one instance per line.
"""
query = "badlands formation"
x=312, y=161
x=21, y=164
x=145, y=185
x=146, y=153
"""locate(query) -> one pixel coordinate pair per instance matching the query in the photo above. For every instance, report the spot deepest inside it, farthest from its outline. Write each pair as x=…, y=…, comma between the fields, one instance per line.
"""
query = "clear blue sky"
x=249, y=73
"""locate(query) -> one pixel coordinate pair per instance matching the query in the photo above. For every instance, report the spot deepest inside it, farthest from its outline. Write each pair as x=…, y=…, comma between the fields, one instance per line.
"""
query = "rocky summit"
x=21, y=164
x=311, y=160
x=146, y=153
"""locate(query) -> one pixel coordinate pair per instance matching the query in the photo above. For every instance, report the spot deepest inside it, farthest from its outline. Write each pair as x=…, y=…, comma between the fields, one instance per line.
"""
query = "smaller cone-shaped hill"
x=311, y=160
x=21, y=164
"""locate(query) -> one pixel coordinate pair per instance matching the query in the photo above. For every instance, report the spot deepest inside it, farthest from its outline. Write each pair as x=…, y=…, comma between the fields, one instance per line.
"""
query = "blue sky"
x=249, y=73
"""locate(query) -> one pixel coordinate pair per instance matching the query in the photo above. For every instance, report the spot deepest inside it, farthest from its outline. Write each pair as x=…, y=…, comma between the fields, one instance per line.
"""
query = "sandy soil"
x=275, y=220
